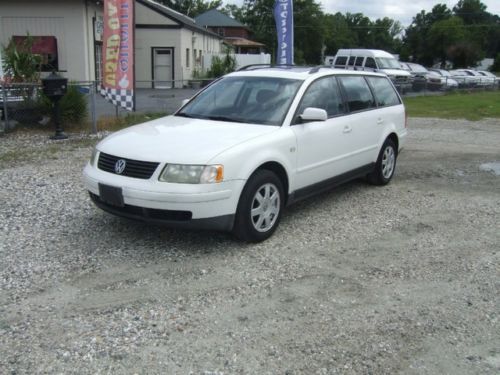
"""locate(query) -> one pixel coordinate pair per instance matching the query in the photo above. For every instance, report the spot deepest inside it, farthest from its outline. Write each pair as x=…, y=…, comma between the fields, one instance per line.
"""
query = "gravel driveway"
x=359, y=280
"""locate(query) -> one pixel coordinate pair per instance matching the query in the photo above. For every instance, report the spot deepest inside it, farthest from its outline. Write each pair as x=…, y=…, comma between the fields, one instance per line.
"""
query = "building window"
x=187, y=57
x=221, y=31
x=44, y=46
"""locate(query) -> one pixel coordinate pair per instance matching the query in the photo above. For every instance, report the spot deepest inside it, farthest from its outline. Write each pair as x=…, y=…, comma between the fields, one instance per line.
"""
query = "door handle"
x=347, y=129
x=380, y=121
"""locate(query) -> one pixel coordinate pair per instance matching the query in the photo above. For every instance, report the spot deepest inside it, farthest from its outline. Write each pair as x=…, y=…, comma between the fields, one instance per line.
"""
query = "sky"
x=400, y=10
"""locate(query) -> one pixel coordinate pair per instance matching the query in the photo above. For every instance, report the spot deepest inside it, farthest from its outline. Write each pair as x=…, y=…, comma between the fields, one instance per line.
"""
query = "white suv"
x=249, y=144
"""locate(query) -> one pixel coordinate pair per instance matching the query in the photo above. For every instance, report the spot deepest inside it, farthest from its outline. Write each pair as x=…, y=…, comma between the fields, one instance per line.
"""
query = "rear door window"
x=351, y=60
x=359, y=61
x=385, y=94
x=358, y=93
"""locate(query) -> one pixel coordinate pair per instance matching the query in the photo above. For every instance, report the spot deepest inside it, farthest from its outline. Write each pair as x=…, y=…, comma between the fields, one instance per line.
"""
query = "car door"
x=322, y=146
x=364, y=120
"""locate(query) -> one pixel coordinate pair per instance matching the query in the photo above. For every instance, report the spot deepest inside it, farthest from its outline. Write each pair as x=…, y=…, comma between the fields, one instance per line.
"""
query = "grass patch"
x=113, y=123
x=471, y=106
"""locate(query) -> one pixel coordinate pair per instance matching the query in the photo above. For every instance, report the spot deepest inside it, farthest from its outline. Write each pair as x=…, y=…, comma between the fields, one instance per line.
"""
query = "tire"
x=386, y=164
x=260, y=224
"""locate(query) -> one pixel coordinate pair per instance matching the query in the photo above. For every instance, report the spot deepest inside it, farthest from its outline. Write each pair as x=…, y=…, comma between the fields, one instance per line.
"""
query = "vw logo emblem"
x=120, y=166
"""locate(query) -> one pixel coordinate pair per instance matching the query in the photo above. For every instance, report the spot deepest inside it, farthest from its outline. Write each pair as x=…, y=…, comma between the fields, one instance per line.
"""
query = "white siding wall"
x=145, y=39
x=67, y=20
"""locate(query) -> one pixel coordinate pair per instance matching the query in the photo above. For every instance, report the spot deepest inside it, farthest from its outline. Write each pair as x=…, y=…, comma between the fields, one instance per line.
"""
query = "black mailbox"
x=55, y=86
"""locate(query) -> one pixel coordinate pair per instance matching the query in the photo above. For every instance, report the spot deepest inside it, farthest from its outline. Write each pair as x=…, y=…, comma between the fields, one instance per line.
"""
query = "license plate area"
x=111, y=195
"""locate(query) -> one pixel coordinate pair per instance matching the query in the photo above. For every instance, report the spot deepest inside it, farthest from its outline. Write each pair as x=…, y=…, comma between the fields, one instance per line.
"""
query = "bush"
x=73, y=106
x=222, y=66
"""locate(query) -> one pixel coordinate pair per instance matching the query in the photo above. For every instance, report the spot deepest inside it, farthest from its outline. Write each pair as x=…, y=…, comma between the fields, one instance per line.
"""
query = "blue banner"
x=283, y=16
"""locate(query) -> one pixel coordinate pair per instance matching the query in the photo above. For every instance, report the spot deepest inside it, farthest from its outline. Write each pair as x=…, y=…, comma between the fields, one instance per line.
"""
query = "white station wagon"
x=254, y=141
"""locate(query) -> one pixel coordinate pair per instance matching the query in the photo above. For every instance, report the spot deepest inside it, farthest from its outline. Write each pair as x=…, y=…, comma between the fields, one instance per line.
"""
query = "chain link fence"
x=23, y=104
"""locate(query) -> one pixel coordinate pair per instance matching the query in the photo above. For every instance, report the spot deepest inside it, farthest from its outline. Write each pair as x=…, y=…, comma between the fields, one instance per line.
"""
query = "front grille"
x=133, y=168
x=401, y=79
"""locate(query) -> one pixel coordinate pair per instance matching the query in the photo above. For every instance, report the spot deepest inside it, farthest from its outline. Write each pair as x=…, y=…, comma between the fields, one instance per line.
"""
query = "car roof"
x=299, y=72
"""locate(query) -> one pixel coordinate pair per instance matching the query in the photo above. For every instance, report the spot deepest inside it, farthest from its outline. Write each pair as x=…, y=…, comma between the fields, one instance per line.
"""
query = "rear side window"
x=385, y=94
x=359, y=61
x=370, y=63
x=341, y=61
x=358, y=93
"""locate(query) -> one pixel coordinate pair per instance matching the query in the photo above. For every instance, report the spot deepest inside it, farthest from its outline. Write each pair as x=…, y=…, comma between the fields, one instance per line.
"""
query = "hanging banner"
x=283, y=16
x=118, y=53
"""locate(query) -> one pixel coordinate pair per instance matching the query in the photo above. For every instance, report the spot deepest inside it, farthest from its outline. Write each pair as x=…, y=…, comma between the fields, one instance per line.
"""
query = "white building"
x=169, y=45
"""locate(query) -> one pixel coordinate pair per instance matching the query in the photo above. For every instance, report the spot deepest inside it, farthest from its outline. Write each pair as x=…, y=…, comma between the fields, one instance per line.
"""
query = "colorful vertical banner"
x=118, y=79
x=283, y=16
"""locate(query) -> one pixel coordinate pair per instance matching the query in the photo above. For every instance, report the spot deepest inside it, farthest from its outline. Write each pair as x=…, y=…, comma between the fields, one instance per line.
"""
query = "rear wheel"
x=386, y=164
x=259, y=208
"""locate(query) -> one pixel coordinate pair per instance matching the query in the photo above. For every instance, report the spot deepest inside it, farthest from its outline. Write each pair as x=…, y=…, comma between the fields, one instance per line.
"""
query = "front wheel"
x=386, y=164
x=260, y=206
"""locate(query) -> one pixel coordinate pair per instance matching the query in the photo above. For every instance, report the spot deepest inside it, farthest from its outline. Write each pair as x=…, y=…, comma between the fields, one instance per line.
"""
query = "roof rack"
x=257, y=66
x=318, y=67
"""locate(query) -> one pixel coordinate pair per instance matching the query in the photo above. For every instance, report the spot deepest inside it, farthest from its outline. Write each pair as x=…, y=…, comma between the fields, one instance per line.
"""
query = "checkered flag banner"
x=119, y=97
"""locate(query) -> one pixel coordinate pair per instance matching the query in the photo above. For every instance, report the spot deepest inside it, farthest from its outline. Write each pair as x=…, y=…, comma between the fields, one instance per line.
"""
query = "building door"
x=163, y=68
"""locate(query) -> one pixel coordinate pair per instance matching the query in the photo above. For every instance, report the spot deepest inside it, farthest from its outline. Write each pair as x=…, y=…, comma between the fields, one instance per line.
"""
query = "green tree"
x=192, y=8
x=496, y=64
x=444, y=36
x=416, y=43
x=338, y=34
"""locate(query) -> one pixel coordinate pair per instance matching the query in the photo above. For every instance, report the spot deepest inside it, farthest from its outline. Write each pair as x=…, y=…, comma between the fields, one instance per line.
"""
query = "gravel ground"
x=359, y=280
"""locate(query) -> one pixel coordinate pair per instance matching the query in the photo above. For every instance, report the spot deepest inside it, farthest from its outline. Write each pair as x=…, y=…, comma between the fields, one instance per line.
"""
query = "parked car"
x=482, y=81
x=422, y=78
x=448, y=83
x=495, y=81
x=249, y=144
x=464, y=78
x=372, y=60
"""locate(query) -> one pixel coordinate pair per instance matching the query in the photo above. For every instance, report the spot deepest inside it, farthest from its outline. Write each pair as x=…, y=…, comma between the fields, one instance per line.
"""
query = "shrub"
x=221, y=66
x=73, y=106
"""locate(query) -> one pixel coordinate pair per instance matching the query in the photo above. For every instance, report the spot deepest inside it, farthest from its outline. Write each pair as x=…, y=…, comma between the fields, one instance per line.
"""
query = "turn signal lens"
x=212, y=174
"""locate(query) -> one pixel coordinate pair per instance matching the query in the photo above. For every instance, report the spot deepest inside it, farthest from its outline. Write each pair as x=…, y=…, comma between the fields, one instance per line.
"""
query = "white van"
x=372, y=60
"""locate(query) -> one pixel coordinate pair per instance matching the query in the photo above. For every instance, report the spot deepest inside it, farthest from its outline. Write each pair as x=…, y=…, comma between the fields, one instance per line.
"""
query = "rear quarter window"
x=385, y=95
x=358, y=93
x=341, y=61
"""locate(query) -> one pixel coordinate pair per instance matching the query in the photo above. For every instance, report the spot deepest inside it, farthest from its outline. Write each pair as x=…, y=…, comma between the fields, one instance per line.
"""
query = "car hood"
x=396, y=72
x=180, y=140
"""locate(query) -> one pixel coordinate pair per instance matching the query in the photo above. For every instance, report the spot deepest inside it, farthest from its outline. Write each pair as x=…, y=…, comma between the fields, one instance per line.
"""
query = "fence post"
x=5, y=125
x=93, y=89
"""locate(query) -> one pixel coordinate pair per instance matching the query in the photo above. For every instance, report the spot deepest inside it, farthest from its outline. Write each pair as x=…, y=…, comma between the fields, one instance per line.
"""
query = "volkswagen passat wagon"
x=254, y=141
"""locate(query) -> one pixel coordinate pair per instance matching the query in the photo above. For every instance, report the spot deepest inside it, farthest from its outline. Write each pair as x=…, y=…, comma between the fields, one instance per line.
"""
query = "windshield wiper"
x=223, y=118
x=185, y=115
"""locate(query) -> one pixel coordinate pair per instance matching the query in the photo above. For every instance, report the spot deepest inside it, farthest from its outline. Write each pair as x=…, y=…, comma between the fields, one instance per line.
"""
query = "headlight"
x=93, y=157
x=192, y=174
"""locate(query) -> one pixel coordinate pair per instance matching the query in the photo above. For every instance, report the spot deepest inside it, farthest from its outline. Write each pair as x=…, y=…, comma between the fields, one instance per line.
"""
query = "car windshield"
x=387, y=63
x=253, y=100
x=417, y=68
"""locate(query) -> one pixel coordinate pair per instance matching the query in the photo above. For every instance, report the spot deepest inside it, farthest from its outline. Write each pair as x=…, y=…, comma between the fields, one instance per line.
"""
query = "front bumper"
x=210, y=206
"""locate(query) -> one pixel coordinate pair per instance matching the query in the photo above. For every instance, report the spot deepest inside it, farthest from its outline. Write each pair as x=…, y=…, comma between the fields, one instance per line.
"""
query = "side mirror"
x=313, y=114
